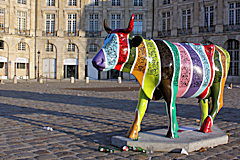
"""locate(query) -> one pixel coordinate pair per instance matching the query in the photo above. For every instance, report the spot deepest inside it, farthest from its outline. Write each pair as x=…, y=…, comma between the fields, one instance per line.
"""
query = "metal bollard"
x=15, y=79
x=120, y=80
x=72, y=79
x=87, y=80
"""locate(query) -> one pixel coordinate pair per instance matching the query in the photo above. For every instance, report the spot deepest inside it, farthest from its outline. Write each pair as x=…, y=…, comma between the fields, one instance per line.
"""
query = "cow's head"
x=116, y=49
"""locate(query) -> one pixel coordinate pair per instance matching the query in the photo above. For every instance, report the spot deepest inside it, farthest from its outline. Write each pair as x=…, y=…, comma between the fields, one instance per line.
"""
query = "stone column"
x=175, y=18
x=60, y=18
x=195, y=18
x=219, y=16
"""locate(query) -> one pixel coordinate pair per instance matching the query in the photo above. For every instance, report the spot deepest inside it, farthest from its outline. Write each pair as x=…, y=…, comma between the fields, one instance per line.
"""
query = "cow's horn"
x=131, y=24
x=107, y=29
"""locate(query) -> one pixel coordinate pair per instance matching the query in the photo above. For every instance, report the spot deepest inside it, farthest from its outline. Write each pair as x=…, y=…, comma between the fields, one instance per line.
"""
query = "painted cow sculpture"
x=169, y=71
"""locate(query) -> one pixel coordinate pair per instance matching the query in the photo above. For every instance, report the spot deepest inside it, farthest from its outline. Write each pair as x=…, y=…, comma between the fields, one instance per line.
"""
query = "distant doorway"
x=49, y=68
x=70, y=71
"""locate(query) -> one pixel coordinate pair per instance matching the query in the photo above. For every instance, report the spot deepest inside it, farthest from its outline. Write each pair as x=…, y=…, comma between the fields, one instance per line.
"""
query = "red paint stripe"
x=123, y=50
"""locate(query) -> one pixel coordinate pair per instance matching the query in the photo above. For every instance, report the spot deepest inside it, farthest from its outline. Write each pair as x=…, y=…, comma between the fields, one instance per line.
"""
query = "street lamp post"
x=86, y=69
x=38, y=53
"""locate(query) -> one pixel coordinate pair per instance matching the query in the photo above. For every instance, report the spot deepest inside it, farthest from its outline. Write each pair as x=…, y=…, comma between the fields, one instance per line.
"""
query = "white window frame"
x=93, y=2
x=208, y=16
x=93, y=22
x=166, y=2
x=72, y=2
x=71, y=47
x=50, y=24
x=166, y=21
x=116, y=3
x=20, y=65
x=137, y=2
x=22, y=46
x=50, y=2
x=234, y=51
x=138, y=24
x=21, y=1
x=2, y=19
x=115, y=21
x=186, y=19
x=72, y=23
x=92, y=47
x=49, y=47
x=234, y=13
x=21, y=21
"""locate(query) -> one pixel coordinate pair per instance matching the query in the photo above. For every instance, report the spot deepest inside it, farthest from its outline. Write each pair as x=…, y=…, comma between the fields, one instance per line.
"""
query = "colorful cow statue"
x=169, y=71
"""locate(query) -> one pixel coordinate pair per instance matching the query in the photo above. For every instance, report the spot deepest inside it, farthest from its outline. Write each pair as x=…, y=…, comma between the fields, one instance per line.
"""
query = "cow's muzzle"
x=99, y=61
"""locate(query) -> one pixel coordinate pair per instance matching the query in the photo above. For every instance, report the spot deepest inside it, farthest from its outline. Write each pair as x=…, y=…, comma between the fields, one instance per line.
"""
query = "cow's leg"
x=221, y=61
x=217, y=103
x=170, y=104
x=204, y=114
x=139, y=113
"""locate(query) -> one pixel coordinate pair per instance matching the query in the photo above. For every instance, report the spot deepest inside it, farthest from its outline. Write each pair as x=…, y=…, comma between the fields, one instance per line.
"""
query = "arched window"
x=233, y=49
x=92, y=48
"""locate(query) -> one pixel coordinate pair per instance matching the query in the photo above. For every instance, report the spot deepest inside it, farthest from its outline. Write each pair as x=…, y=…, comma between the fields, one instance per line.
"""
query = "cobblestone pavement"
x=84, y=119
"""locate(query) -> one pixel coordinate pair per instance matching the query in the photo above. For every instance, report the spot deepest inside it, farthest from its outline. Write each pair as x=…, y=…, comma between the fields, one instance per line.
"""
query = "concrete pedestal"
x=189, y=139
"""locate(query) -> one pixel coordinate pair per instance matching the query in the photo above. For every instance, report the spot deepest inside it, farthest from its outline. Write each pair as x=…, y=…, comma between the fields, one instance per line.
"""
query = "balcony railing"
x=71, y=34
x=44, y=33
x=184, y=31
x=231, y=28
x=22, y=32
x=93, y=33
x=164, y=33
x=4, y=30
x=207, y=29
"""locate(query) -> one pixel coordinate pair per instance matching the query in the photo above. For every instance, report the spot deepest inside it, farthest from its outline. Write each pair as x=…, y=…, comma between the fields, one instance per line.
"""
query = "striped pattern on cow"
x=194, y=67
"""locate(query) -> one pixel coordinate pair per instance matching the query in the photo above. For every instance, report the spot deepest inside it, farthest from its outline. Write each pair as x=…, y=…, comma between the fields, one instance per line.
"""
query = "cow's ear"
x=136, y=41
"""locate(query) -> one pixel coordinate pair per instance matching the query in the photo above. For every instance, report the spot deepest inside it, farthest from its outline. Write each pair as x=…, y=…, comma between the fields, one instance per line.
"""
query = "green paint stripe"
x=176, y=62
x=127, y=67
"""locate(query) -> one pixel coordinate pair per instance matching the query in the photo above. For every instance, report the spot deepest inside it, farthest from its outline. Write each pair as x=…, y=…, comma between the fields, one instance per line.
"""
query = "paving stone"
x=42, y=152
x=24, y=155
x=46, y=157
x=65, y=153
x=83, y=120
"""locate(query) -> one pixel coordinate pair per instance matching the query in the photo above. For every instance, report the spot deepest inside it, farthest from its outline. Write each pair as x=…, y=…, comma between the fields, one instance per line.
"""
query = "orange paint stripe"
x=141, y=63
x=224, y=72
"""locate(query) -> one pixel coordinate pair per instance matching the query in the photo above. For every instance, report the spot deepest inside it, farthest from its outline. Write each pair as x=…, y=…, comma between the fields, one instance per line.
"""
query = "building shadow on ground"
x=158, y=108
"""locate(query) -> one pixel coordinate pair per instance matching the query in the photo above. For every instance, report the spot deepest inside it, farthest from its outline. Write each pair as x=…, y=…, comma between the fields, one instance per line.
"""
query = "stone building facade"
x=58, y=38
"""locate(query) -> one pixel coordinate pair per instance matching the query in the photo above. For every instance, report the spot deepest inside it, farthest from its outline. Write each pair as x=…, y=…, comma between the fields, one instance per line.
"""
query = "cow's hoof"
x=133, y=135
x=207, y=125
x=172, y=136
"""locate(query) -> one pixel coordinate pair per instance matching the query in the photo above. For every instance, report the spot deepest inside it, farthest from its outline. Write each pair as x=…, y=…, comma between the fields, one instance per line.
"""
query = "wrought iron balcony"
x=93, y=33
x=71, y=34
x=22, y=32
x=227, y=28
x=4, y=30
x=184, y=31
x=164, y=33
x=51, y=33
x=207, y=29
